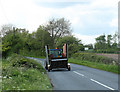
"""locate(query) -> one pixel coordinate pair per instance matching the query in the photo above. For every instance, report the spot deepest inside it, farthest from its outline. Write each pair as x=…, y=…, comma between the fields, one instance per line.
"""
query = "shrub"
x=23, y=78
x=21, y=61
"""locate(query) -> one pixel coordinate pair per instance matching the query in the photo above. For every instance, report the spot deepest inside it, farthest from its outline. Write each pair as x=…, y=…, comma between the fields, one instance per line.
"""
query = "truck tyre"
x=69, y=69
x=48, y=70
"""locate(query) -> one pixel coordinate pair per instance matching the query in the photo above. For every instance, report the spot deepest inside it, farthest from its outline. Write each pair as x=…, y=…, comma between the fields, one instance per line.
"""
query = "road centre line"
x=102, y=84
x=78, y=73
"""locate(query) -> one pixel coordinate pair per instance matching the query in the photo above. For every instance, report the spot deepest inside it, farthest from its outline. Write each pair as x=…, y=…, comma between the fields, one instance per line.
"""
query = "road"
x=81, y=78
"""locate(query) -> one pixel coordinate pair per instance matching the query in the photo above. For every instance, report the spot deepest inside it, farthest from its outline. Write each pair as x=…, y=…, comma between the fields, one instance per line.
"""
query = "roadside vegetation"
x=0, y=75
x=20, y=73
x=54, y=33
x=95, y=61
x=94, y=58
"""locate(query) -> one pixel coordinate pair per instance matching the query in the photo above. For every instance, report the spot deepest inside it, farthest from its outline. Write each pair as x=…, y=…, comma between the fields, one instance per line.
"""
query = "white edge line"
x=78, y=73
x=102, y=84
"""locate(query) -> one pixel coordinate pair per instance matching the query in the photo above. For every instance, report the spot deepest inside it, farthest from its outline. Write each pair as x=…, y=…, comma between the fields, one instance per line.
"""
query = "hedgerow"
x=93, y=58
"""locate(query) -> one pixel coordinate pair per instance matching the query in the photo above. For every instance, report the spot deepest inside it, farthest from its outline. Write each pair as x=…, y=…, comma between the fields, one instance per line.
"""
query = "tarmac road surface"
x=81, y=78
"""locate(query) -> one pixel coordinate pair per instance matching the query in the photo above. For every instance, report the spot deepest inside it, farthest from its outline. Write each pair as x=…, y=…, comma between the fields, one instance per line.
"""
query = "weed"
x=20, y=73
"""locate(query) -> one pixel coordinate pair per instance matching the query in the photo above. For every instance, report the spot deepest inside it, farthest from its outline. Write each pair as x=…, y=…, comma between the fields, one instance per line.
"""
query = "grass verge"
x=0, y=74
x=19, y=73
x=97, y=65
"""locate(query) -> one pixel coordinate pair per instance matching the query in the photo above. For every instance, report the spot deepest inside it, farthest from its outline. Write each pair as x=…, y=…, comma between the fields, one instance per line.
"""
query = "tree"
x=5, y=28
x=115, y=37
x=109, y=38
x=115, y=43
x=74, y=45
x=13, y=41
x=43, y=38
x=58, y=28
x=108, y=45
x=68, y=40
x=100, y=42
x=90, y=46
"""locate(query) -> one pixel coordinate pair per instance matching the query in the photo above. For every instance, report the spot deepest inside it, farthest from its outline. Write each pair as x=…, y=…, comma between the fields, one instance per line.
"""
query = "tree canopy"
x=55, y=33
x=58, y=28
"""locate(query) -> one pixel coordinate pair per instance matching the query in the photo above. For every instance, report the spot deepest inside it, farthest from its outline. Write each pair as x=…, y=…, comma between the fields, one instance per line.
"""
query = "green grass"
x=97, y=65
x=24, y=77
x=0, y=75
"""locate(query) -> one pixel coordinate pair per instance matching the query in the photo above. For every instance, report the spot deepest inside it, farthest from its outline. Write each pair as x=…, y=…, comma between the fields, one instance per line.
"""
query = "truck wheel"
x=69, y=69
x=48, y=70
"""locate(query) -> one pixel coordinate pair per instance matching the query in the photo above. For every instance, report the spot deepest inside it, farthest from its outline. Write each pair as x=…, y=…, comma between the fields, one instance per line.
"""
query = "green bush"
x=23, y=78
x=20, y=61
x=92, y=57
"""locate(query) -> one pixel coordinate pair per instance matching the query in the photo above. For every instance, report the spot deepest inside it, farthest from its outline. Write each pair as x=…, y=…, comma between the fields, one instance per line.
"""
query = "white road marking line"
x=78, y=73
x=102, y=84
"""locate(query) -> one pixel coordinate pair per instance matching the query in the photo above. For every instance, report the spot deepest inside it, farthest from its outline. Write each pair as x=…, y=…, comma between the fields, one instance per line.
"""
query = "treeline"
x=107, y=44
x=54, y=33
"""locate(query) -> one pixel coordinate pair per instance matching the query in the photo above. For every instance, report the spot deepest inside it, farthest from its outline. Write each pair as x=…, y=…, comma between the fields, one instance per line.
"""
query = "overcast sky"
x=89, y=18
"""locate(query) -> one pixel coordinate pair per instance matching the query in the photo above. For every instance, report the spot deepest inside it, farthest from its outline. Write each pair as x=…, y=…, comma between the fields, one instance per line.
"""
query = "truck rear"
x=57, y=58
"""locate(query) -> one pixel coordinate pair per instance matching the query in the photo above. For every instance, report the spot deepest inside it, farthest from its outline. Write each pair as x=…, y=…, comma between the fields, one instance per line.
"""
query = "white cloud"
x=86, y=39
x=105, y=3
x=62, y=0
x=114, y=22
x=24, y=13
x=95, y=16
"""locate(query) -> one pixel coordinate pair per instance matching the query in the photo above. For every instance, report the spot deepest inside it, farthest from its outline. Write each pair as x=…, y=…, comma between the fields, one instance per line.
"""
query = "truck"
x=57, y=58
